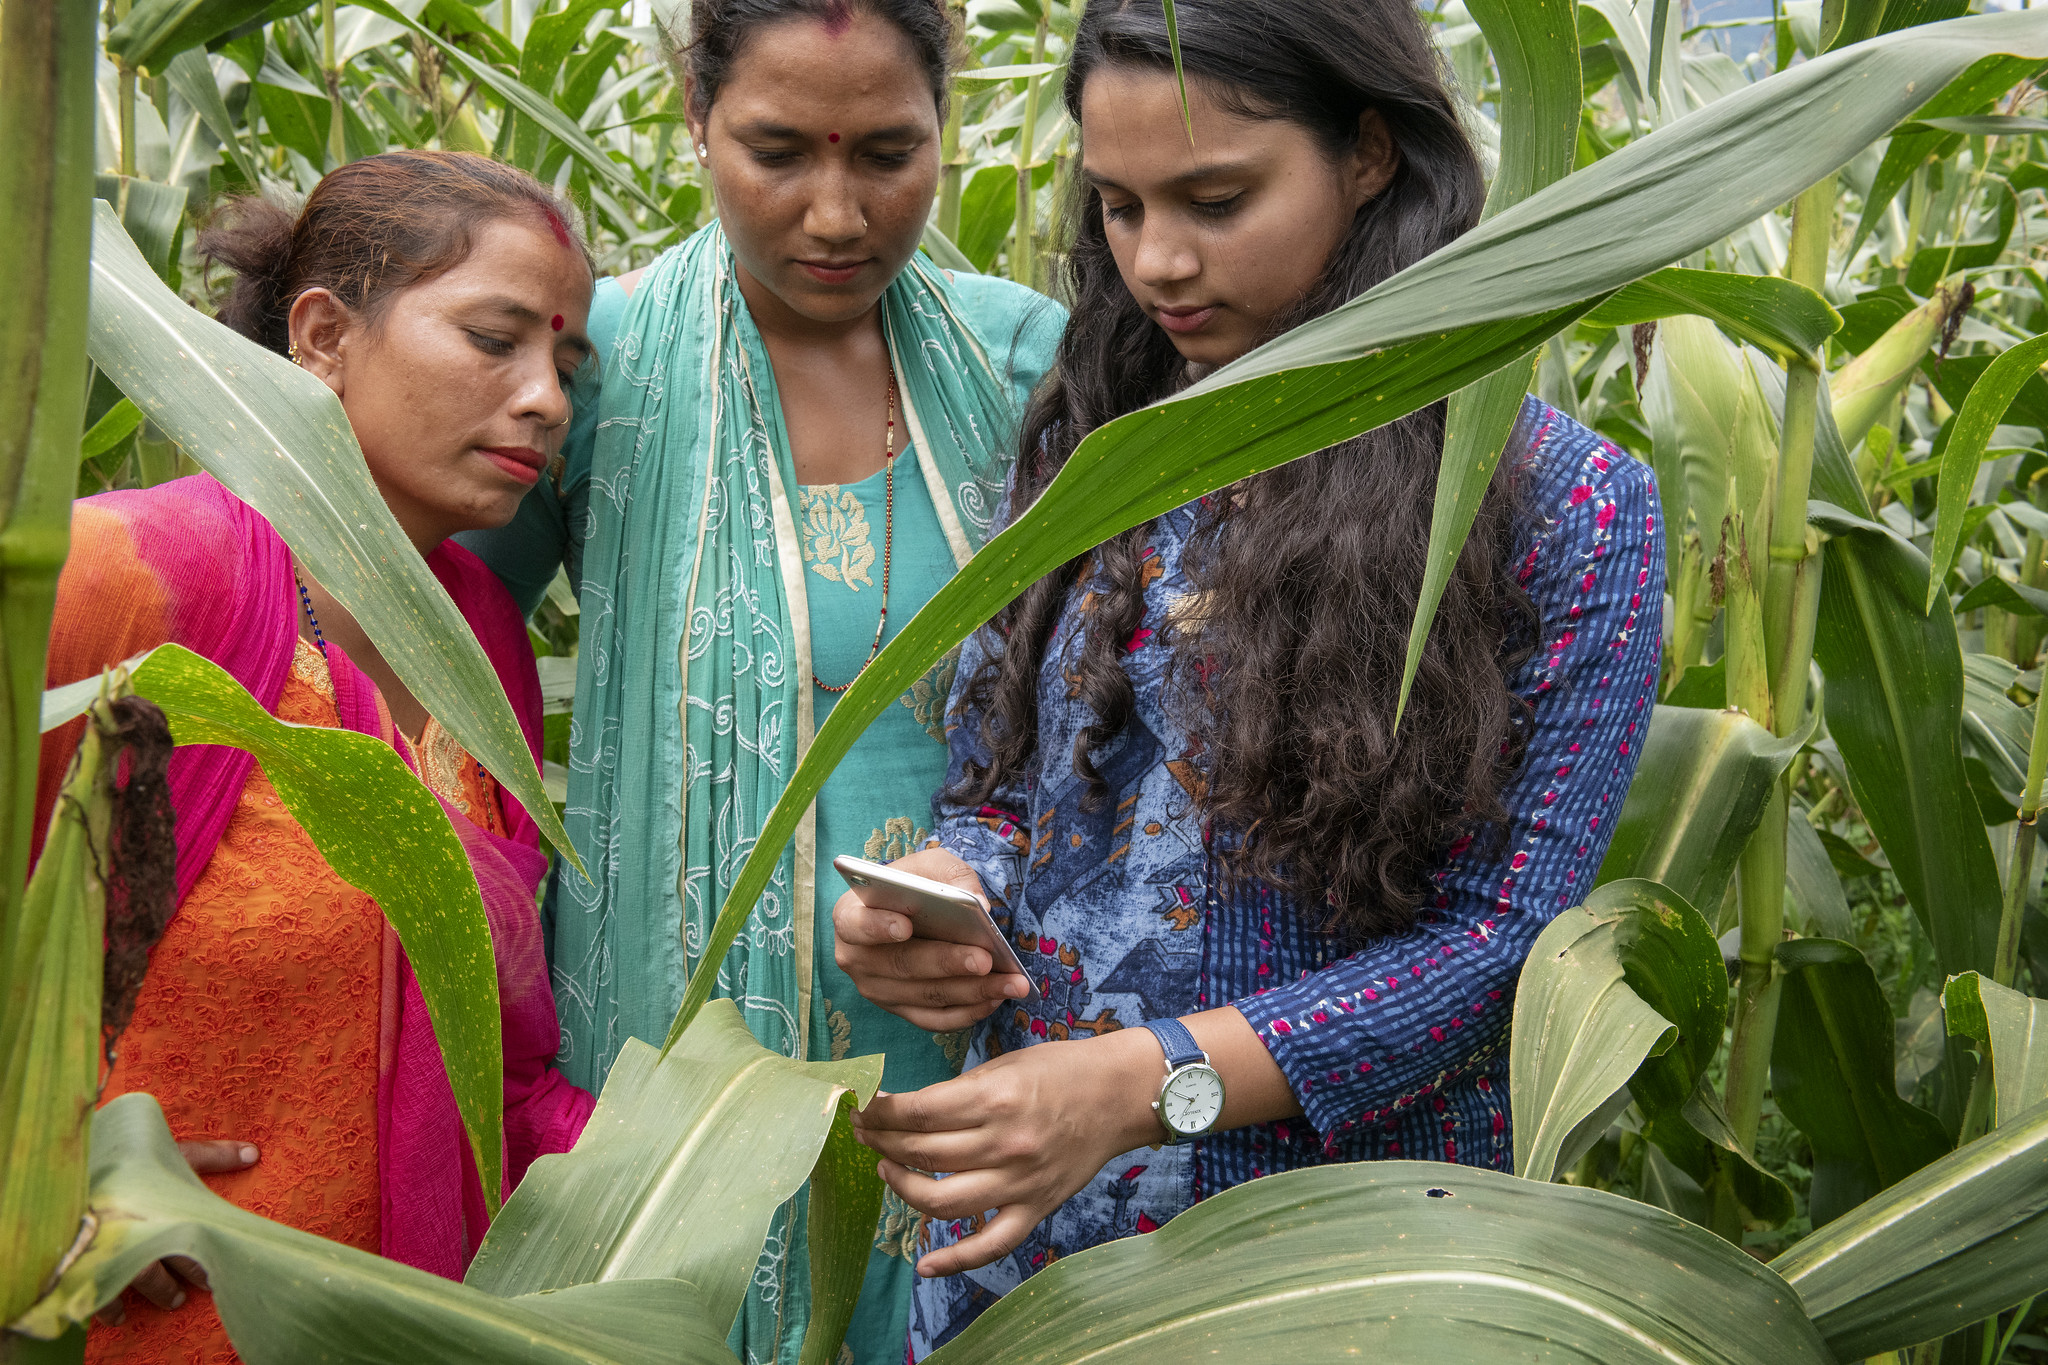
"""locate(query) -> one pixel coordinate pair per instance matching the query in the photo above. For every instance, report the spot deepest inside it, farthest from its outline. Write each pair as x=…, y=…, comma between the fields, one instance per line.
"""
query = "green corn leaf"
x=2011, y=1034
x=153, y=214
x=940, y=248
x=288, y=1297
x=1960, y=1240
x=1536, y=50
x=1814, y=887
x=191, y=76
x=1470, y=309
x=845, y=1206
x=274, y=435
x=1981, y=413
x=530, y=105
x=1964, y=92
x=1786, y=319
x=1401, y=1261
x=1700, y=791
x=1831, y=1074
x=383, y=833
x=2013, y=597
x=1621, y=997
x=1180, y=77
x=1980, y=125
x=157, y=30
x=548, y=44
x=1932, y=264
x=1894, y=703
x=1697, y=1139
x=679, y=1171
x=112, y=429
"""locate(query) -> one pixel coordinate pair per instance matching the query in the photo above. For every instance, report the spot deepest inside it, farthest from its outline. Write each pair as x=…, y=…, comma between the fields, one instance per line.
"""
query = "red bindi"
x=556, y=323
x=831, y=137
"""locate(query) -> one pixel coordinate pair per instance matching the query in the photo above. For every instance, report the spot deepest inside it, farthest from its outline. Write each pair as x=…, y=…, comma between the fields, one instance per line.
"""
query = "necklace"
x=306, y=601
x=888, y=539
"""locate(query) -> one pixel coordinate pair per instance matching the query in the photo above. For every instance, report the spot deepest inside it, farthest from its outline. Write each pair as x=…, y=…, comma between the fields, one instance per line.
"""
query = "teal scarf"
x=693, y=699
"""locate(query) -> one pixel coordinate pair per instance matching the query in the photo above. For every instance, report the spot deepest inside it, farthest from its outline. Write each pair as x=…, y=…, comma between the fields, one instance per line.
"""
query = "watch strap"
x=1179, y=1044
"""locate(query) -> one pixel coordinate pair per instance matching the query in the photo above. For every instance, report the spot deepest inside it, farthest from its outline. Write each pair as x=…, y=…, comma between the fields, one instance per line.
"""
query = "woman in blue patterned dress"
x=1175, y=771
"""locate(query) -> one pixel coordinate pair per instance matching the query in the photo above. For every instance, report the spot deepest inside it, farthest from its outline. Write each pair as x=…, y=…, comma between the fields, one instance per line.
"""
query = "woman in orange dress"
x=443, y=298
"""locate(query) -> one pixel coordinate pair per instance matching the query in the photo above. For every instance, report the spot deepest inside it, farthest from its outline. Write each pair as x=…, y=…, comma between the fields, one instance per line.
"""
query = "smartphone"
x=936, y=910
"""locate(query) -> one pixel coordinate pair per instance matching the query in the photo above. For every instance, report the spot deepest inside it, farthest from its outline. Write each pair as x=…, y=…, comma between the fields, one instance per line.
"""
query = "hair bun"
x=252, y=236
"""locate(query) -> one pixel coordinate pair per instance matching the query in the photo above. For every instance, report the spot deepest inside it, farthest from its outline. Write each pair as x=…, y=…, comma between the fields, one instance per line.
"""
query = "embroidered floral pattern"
x=842, y=1030
x=898, y=837
x=897, y=1234
x=927, y=696
x=835, y=535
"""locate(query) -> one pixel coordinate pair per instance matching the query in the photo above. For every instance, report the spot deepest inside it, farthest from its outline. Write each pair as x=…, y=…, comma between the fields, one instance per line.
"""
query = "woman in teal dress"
x=794, y=419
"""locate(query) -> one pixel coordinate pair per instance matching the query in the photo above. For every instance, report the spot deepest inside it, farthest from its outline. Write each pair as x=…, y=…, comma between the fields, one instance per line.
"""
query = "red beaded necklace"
x=888, y=539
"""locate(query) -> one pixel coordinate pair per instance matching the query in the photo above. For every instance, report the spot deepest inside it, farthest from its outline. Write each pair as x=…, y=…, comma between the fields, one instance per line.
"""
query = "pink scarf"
x=225, y=590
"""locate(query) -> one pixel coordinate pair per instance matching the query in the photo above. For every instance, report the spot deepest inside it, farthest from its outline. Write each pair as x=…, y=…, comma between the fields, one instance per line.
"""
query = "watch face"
x=1192, y=1100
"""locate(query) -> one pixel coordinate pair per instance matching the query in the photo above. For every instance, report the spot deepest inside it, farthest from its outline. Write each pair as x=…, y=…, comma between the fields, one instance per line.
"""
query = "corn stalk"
x=950, y=162
x=1773, y=596
x=1024, y=245
x=46, y=120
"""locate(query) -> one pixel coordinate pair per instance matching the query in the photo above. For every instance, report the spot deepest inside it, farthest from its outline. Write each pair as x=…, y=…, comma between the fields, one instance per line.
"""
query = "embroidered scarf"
x=694, y=680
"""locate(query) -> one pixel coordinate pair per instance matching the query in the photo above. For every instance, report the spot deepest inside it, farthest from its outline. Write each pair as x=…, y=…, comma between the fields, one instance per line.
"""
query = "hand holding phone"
x=918, y=941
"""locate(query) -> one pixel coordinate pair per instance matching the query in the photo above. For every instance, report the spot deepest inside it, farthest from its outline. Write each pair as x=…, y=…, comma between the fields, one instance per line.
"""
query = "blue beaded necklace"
x=306, y=601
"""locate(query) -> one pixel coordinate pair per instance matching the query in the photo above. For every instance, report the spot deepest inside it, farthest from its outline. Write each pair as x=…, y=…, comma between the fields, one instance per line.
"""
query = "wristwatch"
x=1191, y=1097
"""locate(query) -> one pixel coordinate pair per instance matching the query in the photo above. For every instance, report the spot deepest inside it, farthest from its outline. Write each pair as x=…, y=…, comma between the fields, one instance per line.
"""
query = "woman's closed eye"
x=1218, y=208
x=490, y=345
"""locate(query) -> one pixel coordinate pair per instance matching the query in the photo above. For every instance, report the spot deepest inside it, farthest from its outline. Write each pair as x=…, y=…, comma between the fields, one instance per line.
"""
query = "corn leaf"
x=157, y=30
x=1894, y=706
x=288, y=1297
x=1700, y=791
x=1622, y=996
x=1401, y=1261
x=530, y=104
x=1536, y=50
x=1981, y=413
x=1831, y=1074
x=2011, y=1034
x=679, y=1170
x=1960, y=1240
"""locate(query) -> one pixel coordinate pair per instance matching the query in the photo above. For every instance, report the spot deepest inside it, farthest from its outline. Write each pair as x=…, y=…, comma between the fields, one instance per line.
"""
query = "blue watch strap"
x=1173, y=1036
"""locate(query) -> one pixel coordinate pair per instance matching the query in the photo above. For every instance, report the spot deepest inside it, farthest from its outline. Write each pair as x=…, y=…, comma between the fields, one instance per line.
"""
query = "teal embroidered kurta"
x=712, y=586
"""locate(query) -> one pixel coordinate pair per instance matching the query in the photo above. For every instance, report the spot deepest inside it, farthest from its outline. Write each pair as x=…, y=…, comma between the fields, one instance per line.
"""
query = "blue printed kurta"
x=1394, y=1051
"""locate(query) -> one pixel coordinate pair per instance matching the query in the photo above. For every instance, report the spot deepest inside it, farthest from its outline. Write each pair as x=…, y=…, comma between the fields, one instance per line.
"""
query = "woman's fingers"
x=1003, y=1234
x=942, y=865
x=957, y=1196
x=855, y=921
x=158, y=1286
x=948, y=1107
x=956, y=1151
x=189, y=1270
x=217, y=1156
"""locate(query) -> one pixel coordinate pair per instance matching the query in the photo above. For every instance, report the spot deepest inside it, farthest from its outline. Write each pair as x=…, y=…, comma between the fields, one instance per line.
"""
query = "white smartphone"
x=938, y=911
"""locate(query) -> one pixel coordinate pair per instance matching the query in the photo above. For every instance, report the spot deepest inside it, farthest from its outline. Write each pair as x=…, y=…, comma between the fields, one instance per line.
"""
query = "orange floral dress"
x=261, y=1020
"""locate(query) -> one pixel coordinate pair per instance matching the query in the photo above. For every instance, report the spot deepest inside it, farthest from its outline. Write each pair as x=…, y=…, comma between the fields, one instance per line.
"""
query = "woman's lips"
x=518, y=462
x=833, y=272
x=1186, y=320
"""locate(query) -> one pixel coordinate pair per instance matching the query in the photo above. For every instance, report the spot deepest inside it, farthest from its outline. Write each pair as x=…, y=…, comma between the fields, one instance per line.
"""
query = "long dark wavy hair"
x=1287, y=663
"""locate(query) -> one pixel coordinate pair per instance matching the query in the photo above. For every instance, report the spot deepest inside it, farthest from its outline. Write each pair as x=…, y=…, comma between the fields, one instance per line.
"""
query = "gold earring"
x=293, y=354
